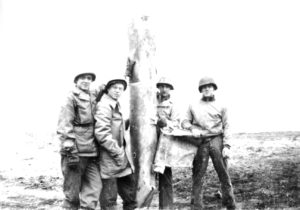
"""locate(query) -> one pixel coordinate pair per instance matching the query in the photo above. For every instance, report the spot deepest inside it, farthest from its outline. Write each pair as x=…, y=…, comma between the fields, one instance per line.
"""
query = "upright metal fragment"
x=142, y=73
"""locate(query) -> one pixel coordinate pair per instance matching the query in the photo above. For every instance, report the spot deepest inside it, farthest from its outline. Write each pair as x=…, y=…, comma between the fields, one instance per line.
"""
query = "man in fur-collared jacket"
x=116, y=162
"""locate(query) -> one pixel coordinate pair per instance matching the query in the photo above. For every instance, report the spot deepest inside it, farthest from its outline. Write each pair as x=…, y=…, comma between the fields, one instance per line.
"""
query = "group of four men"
x=95, y=156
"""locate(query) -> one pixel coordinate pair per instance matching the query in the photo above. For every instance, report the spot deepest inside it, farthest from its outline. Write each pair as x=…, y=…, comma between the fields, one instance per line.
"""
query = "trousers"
x=124, y=186
x=211, y=147
x=82, y=184
x=165, y=188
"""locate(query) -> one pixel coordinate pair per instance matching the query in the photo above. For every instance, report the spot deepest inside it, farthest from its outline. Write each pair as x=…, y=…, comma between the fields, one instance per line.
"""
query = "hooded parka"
x=115, y=149
x=76, y=122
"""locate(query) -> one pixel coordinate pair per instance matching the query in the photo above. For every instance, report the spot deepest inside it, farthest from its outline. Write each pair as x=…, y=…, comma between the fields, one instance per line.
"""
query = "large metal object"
x=142, y=73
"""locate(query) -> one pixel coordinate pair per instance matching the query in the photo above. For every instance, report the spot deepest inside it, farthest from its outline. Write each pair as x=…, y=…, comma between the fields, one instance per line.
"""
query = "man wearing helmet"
x=116, y=163
x=207, y=120
x=167, y=117
x=79, y=151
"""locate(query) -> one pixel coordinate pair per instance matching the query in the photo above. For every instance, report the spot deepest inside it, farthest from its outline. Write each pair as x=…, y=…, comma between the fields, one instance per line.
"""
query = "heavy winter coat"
x=76, y=122
x=115, y=150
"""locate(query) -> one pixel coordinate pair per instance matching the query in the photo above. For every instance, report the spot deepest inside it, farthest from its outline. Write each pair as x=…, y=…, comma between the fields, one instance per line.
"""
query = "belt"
x=84, y=125
x=208, y=138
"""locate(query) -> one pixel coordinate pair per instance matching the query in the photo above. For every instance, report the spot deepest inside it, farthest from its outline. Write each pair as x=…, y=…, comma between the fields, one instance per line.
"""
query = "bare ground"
x=264, y=168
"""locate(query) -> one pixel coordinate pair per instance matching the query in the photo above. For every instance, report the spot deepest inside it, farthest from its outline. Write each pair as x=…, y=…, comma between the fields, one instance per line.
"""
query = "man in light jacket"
x=78, y=148
x=207, y=120
x=116, y=163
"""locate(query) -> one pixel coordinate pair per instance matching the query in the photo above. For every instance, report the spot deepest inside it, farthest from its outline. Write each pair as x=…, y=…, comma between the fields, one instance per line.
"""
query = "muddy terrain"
x=264, y=167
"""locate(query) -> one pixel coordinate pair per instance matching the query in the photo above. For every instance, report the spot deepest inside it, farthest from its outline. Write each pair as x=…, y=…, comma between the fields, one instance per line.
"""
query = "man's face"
x=116, y=90
x=208, y=90
x=84, y=82
x=164, y=90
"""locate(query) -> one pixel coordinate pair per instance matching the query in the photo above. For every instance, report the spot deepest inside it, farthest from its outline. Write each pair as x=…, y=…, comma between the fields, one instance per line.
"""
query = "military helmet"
x=84, y=73
x=164, y=81
x=115, y=81
x=207, y=81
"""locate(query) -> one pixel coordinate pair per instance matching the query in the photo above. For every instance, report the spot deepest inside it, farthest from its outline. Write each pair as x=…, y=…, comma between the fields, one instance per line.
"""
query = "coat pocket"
x=85, y=139
x=109, y=167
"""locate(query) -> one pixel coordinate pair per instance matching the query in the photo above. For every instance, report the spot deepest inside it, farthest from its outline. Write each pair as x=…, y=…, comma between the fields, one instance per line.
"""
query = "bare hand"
x=196, y=133
x=68, y=145
x=122, y=160
x=226, y=152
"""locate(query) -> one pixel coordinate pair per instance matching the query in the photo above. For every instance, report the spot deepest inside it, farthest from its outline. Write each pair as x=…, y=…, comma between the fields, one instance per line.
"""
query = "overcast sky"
x=251, y=48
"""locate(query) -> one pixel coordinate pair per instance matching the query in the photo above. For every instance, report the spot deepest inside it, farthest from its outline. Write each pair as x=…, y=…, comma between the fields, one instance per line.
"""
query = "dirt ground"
x=264, y=168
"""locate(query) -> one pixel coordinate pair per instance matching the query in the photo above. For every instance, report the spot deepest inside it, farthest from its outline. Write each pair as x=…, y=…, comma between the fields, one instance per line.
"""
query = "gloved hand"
x=127, y=124
x=129, y=67
x=162, y=122
x=101, y=91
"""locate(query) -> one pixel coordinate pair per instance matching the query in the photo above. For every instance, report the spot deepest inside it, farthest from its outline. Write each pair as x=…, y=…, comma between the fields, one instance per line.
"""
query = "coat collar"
x=110, y=100
x=81, y=94
x=167, y=101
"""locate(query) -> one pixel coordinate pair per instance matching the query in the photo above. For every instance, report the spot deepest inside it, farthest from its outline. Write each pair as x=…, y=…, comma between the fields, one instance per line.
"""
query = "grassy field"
x=264, y=168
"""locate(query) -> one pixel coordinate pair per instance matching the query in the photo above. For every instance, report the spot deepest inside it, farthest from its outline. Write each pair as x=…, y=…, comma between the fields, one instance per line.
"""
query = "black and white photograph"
x=136, y=104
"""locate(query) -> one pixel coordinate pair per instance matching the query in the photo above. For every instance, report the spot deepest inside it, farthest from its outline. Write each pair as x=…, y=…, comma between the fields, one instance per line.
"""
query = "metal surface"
x=142, y=76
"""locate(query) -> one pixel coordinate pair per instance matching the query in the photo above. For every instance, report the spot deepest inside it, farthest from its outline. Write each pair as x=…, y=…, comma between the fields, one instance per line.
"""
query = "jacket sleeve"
x=187, y=124
x=174, y=117
x=103, y=131
x=226, y=132
x=187, y=120
x=65, y=129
